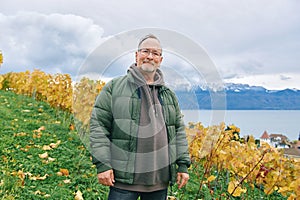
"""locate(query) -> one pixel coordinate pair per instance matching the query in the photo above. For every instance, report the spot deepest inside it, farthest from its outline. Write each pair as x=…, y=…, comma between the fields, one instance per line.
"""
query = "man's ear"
x=161, y=59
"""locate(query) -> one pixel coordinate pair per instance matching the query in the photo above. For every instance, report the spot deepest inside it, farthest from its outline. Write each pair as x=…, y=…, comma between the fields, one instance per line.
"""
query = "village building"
x=280, y=141
x=276, y=140
x=265, y=137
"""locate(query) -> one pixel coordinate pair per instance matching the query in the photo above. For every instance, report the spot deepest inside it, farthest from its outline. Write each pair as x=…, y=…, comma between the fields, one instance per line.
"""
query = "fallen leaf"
x=67, y=181
x=171, y=198
x=21, y=175
x=81, y=147
x=72, y=127
x=55, y=145
x=45, y=161
x=20, y=134
x=78, y=195
x=44, y=155
x=24, y=149
x=37, y=135
x=42, y=128
x=51, y=159
x=34, y=178
x=59, y=174
x=37, y=192
x=65, y=172
x=46, y=147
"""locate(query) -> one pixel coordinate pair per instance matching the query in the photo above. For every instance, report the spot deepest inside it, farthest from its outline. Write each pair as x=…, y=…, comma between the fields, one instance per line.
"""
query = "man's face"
x=148, y=57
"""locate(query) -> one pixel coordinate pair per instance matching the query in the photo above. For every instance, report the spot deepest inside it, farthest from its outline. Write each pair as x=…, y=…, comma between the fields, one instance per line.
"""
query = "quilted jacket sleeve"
x=100, y=129
x=183, y=159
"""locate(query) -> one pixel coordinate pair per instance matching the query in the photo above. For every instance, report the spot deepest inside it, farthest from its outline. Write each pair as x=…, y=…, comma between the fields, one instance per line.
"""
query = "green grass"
x=22, y=143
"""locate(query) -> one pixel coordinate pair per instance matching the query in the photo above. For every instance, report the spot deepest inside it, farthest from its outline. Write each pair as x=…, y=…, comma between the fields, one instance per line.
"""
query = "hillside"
x=41, y=158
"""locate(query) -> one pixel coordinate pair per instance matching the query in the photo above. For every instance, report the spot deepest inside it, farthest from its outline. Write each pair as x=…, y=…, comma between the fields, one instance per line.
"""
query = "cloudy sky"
x=255, y=42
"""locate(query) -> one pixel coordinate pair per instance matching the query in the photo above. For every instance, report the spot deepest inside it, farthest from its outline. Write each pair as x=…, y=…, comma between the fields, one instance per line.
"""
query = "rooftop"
x=265, y=135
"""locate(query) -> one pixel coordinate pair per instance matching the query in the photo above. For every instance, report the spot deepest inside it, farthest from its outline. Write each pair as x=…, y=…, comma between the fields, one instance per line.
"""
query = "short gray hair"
x=147, y=37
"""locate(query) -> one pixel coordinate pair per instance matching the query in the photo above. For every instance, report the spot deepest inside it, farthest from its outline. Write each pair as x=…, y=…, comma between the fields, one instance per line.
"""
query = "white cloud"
x=55, y=42
x=244, y=38
x=270, y=81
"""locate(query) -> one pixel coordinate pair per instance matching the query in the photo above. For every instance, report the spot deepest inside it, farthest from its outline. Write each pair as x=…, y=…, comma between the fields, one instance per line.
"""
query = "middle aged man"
x=138, y=138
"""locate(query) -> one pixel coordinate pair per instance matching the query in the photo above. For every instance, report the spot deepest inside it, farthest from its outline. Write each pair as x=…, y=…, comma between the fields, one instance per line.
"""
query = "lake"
x=251, y=122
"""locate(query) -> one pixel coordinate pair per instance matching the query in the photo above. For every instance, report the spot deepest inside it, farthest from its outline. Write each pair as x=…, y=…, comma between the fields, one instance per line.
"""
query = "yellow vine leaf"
x=211, y=178
x=237, y=190
x=292, y=197
x=283, y=189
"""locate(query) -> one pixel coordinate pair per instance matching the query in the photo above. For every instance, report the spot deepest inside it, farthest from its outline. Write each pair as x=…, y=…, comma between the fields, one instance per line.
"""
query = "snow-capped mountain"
x=238, y=97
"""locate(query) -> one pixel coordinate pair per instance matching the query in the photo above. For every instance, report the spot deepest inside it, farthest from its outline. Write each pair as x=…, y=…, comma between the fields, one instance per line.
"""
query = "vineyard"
x=44, y=158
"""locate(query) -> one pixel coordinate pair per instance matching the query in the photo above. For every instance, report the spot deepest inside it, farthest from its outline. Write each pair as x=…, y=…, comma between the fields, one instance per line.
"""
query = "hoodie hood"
x=148, y=92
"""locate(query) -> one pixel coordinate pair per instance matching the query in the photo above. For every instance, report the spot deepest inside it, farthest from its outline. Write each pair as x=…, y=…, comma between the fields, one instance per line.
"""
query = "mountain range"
x=238, y=97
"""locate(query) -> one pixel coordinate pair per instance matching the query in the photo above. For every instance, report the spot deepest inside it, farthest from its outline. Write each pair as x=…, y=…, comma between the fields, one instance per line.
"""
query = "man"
x=138, y=139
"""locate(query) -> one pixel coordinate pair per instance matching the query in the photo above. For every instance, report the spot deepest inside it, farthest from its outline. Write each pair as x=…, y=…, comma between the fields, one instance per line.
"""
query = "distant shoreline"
x=250, y=122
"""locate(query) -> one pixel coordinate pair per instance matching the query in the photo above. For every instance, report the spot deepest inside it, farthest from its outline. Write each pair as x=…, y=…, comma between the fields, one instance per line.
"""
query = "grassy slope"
x=21, y=144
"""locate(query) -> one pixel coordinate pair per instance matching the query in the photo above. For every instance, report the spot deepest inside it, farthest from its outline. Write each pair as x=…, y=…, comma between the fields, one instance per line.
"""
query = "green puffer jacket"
x=114, y=127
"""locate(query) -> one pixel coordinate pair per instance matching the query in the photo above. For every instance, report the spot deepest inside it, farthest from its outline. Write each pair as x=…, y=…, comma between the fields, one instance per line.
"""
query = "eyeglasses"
x=146, y=52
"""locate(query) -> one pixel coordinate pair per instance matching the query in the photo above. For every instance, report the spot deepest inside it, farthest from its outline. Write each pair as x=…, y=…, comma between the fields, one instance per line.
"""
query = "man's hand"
x=182, y=179
x=106, y=178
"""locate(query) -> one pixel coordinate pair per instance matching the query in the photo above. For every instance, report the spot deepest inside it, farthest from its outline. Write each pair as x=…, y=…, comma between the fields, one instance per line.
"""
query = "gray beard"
x=147, y=68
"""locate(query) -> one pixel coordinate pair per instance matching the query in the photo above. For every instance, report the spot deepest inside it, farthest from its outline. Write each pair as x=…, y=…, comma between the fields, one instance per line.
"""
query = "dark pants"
x=119, y=194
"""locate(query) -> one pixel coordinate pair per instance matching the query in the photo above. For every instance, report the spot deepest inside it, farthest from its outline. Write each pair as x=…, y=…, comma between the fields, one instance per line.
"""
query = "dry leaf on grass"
x=55, y=145
x=44, y=155
x=51, y=159
x=59, y=174
x=67, y=181
x=46, y=147
x=42, y=128
x=51, y=146
x=38, y=177
x=78, y=195
x=65, y=172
